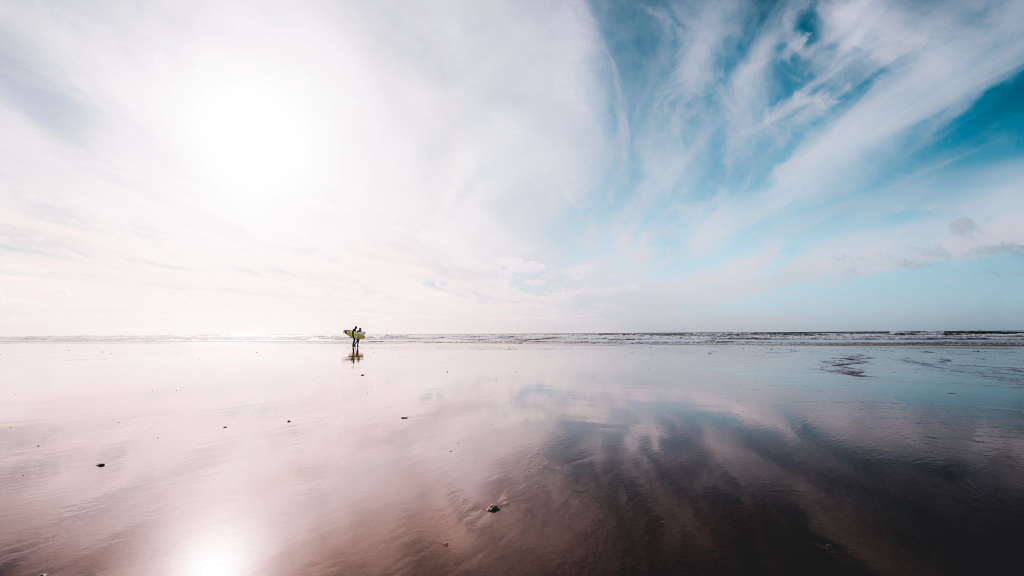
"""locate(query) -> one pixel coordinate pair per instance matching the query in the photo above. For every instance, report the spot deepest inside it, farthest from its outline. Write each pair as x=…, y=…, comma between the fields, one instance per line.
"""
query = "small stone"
x=362, y=374
x=405, y=417
x=100, y=465
x=445, y=544
x=225, y=426
x=492, y=508
x=289, y=420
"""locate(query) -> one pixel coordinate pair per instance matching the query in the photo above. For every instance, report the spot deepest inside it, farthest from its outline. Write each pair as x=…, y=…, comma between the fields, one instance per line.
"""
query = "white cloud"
x=964, y=226
x=257, y=168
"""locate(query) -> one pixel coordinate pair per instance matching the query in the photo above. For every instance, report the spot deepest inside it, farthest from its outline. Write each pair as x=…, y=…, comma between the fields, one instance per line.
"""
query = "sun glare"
x=216, y=564
x=251, y=136
x=224, y=553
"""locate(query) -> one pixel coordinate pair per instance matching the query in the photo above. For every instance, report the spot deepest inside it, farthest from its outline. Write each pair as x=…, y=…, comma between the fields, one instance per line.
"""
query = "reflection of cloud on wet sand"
x=733, y=499
x=716, y=476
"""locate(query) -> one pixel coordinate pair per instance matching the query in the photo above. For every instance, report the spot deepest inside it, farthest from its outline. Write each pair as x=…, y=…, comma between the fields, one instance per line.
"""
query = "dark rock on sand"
x=445, y=544
x=493, y=508
x=100, y=465
x=405, y=417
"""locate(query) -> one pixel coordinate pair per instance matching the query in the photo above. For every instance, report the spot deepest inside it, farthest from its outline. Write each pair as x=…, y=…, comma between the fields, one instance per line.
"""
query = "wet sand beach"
x=289, y=458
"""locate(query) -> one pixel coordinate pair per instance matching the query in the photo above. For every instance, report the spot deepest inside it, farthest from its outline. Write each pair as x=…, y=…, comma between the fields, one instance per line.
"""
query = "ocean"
x=910, y=338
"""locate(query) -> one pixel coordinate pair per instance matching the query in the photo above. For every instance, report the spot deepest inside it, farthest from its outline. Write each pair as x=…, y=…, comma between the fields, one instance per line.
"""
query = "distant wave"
x=939, y=338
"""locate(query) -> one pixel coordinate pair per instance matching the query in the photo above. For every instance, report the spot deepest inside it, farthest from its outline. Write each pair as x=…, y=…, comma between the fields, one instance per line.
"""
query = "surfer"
x=355, y=341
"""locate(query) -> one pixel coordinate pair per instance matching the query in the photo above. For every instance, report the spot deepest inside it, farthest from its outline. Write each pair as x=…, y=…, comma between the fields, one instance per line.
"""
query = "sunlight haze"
x=432, y=167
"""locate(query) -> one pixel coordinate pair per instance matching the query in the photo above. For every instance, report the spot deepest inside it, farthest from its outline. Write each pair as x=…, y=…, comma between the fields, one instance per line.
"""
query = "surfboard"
x=357, y=335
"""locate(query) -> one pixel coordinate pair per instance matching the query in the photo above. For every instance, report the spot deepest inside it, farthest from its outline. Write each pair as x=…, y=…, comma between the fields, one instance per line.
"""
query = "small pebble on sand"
x=492, y=508
x=405, y=417
x=100, y=465
x=445, y=544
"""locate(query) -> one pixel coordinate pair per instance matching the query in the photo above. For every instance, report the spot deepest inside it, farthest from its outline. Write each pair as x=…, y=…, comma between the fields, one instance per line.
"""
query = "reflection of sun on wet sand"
x=748, y=460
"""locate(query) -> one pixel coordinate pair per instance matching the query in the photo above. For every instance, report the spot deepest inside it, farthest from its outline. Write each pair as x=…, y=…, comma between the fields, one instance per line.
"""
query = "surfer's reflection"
x=355, y=357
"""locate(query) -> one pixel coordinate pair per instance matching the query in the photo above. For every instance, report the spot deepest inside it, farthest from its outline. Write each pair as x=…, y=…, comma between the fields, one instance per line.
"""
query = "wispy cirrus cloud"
x=505, y=166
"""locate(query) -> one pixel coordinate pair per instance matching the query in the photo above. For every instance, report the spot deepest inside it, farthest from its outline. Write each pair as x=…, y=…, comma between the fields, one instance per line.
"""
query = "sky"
x=524, y=166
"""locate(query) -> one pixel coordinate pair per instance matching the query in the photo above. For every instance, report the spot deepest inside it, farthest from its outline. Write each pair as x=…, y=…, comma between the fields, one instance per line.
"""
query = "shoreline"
x=375, y=343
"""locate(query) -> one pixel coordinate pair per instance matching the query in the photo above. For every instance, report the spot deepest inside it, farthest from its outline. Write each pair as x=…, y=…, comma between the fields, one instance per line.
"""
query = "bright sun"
x=251, y=136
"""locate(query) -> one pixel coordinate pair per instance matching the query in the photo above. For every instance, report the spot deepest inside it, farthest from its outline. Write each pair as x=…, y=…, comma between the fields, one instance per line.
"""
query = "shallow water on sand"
x=603, y=459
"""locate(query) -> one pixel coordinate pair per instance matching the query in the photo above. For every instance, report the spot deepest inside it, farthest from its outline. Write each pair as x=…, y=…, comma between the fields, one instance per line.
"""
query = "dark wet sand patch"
x=851, y=365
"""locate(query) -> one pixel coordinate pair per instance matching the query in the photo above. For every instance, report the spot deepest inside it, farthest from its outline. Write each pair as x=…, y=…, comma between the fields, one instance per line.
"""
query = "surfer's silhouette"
x=355, y=341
